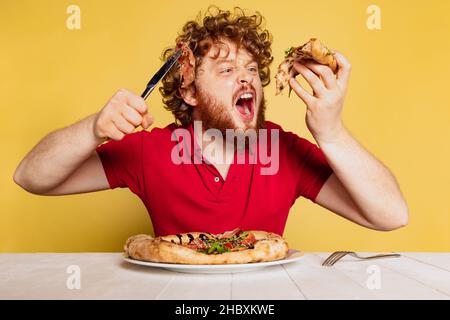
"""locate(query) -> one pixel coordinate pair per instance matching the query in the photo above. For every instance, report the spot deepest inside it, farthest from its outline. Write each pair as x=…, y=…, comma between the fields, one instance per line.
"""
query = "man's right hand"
x=124, y=112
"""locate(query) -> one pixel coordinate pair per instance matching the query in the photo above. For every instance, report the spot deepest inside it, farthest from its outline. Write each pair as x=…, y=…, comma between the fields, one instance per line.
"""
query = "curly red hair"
x=245, y=30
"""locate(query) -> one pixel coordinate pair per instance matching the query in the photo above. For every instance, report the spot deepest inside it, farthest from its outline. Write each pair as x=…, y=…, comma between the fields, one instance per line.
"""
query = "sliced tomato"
x=196, y=244
x=229, y=234
x=228, y=245
x=249, y=240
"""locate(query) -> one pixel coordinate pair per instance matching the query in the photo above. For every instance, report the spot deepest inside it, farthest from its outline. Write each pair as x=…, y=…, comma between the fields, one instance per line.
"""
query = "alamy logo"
x=73, y=281
x=262, y=148
x=73, y=21
x=374, y=280
x=374, y=18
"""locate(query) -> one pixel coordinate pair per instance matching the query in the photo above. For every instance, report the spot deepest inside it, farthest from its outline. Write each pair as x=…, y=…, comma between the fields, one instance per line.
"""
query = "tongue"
x=244, y=107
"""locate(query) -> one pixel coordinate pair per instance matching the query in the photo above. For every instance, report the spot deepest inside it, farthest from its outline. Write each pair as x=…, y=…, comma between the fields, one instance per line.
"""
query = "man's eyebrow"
x=222, y=60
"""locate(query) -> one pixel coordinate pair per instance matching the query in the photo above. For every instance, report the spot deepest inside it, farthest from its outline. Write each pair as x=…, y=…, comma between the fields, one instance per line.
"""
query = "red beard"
x=215, y=115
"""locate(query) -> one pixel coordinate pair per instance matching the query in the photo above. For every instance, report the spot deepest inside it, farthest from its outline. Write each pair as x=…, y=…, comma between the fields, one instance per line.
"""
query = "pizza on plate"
x=231, y=247
x=314, y=49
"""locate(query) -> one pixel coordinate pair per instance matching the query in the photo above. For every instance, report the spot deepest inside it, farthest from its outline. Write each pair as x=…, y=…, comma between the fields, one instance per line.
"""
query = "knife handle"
x=147, y=91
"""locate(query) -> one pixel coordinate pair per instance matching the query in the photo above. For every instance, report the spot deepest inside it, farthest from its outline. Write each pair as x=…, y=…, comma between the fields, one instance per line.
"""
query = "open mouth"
x=245, y=105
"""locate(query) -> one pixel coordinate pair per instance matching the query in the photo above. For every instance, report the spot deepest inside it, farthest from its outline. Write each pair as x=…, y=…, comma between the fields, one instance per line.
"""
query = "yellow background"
x=398, y=106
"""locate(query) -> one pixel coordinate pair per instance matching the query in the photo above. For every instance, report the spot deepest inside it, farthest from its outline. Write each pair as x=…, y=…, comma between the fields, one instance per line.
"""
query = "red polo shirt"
x=192, y=196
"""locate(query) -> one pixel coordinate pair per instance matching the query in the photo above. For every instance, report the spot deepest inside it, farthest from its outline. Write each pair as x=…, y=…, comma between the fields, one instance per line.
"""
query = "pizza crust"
x=268, y=247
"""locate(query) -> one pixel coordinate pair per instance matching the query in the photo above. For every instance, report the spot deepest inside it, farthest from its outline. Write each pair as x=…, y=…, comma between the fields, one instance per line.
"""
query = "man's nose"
x=245, y=76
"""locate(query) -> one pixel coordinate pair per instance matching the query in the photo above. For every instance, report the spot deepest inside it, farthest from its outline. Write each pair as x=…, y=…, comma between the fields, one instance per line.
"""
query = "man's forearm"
x=57, y=155
x=371, y=184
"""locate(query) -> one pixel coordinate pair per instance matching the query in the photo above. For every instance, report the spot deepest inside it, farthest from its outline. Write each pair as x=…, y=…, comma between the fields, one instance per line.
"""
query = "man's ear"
x=189, y=95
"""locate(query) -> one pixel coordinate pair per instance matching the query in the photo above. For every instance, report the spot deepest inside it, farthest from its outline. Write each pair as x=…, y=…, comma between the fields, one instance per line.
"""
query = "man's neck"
x=210, y=143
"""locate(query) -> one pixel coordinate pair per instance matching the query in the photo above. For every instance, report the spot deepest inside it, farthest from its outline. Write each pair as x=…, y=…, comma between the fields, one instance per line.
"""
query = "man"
x=232, y=56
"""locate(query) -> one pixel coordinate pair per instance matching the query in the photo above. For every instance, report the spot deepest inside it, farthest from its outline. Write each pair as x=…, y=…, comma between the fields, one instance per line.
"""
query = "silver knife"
x=161, y=73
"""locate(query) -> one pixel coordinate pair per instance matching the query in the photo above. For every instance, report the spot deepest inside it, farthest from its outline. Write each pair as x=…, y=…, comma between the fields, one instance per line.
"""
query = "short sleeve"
x=311, y=168
x=122, y=162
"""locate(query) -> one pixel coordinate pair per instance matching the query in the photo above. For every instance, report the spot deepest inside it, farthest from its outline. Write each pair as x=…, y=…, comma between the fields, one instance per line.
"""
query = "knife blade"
x=161, y=73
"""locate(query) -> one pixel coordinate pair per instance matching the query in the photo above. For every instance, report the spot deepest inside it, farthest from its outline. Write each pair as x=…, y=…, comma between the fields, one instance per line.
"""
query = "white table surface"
x=107, y=276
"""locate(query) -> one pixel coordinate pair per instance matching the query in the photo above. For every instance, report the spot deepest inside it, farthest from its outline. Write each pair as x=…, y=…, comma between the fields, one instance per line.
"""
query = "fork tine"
x=336, y=259
x=331, y=260
x=331, y=256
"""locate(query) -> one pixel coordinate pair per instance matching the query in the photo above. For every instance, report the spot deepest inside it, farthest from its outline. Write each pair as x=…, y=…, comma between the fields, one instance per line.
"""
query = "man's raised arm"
x=65, y=161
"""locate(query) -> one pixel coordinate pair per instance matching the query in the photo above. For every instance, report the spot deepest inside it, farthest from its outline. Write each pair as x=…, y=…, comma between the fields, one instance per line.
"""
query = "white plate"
x=293, y=255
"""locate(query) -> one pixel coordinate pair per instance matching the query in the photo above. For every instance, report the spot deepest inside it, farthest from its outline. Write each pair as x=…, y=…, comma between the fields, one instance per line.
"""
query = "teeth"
x=246, y=96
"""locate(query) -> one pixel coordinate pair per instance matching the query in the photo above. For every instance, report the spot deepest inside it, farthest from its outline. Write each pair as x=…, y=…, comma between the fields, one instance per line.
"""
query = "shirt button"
x=216, y=179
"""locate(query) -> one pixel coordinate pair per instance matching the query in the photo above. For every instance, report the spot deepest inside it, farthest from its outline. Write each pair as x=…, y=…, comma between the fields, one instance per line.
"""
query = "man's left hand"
x=324, y=107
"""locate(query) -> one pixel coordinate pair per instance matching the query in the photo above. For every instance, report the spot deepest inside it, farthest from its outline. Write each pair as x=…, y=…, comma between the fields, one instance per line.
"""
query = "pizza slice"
x=312, y=50
x=187, y=65
x=236, y=246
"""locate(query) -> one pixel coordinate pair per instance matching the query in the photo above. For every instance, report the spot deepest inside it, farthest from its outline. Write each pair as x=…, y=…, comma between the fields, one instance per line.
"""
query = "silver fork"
x=338, y=255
